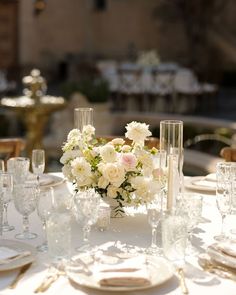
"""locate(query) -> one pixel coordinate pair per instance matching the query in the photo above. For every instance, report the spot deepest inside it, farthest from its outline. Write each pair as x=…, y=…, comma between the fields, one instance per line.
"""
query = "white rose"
x=84, y=180
x=103, y=182
x=80, y=168
x=108, y=153
x=114, y=173
x=145, y=188
x=111, y=191
x=147, y=162
x=137, y=132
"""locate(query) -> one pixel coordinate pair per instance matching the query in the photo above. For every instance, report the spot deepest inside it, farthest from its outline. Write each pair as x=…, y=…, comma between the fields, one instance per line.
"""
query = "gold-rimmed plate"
x=159, y=271
x=19, y=247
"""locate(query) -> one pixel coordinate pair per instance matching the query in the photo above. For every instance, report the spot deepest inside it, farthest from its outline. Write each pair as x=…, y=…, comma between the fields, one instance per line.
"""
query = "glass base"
x=219, y=238
x=26, y=236
x=42, y=248
x=7, y=227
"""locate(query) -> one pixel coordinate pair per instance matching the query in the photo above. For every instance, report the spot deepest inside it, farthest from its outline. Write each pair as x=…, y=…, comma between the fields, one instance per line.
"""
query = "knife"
x=20, y=275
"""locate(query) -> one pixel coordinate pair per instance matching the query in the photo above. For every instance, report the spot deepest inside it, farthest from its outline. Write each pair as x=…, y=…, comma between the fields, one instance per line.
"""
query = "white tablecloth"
x=131, y=230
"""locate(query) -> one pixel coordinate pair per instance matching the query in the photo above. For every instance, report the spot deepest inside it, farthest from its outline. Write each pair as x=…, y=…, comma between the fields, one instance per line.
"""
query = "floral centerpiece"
x=116, y=170
x=148, y=58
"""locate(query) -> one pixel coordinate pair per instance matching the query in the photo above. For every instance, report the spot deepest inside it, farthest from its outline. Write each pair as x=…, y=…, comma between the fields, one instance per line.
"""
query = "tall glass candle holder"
x=171, y=140
x=83, y=117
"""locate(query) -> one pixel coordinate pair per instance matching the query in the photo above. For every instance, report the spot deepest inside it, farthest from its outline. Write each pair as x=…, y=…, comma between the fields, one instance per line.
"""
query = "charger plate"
x=159, y=270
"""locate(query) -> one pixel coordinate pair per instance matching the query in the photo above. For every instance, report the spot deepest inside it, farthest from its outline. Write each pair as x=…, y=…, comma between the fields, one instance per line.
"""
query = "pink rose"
x=129, y=161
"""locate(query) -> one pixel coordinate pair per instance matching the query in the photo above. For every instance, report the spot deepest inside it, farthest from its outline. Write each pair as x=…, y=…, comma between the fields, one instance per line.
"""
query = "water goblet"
x=38, y=162
x=19, y=167
x=154, y=213
x=25, y=196
x=174, y=238
x=225, y=172
x=45, y=206
x=6, y=186
x=86, y=209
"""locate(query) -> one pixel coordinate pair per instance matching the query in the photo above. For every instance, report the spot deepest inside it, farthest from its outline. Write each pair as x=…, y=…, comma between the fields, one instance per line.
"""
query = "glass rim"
x=19, y=159
x=83, y=109
x=172, y=122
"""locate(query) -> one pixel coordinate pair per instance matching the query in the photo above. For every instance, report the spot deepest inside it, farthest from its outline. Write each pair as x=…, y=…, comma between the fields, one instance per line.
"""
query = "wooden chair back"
x=11, y=147
x=228, y=154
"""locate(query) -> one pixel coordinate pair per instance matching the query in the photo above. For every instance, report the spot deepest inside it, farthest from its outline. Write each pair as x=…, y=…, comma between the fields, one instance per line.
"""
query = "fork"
x=20, y=275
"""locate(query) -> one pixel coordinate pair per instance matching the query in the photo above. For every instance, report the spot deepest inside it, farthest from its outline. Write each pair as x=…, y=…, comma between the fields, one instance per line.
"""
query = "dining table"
x=133, y=229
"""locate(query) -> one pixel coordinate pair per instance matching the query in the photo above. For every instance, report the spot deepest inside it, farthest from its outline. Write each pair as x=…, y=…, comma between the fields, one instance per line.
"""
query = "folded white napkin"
x=125, y=273
x=205, y=183
x=211, y=177
x=227, y=248
x=8, y=255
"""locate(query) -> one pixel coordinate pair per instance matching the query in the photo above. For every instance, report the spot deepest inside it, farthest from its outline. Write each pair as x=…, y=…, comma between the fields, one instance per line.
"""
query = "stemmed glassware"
x=45, y=206
x=225, y=172
x=154, y=213
x=86, y=209
x=189, y=206
x=6, y=187
x=25, y=196
x=38, y=162
x=19, y=167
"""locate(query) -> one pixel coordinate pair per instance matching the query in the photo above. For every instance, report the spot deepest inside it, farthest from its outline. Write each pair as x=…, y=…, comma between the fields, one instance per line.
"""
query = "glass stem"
x=5, y=221
x=45, y=240
x=86, y=232
x=223, y=225
x=25, y=224
x=154, y=237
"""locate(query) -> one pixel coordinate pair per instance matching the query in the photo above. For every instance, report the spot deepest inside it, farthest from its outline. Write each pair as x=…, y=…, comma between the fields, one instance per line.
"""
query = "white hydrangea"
x=70, y=155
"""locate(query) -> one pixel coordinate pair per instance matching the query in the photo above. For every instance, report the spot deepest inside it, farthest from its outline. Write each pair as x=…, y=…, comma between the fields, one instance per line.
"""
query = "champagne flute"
x=38, y=162
x=25, y=196
x=224, y=177
x=154, y=213
x=86, y=209
x=45, y=206
x=6, y=186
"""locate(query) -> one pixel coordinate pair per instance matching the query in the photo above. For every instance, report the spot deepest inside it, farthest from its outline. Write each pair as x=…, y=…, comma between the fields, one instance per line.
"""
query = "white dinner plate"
x=20, y=247
x=200, y=184
x=47, y=180
x=159, y=270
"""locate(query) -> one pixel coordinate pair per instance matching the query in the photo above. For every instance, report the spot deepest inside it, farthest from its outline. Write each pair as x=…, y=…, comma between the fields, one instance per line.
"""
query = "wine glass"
x=86, y=210
x=6, y=186
x=189, y=206
x=38, y=162
x=154, y=213
x=19, y=167
x=224, y=177
x=25, y=196
x=45, y=206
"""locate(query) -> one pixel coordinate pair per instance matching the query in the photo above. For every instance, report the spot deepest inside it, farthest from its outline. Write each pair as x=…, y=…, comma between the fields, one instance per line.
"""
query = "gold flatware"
x=47, y=282
x=208, y=265
x=20, y=275
x=182, y=282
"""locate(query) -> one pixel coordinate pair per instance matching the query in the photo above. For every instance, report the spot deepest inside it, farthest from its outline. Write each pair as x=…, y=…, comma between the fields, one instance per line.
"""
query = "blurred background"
x=129, y=60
